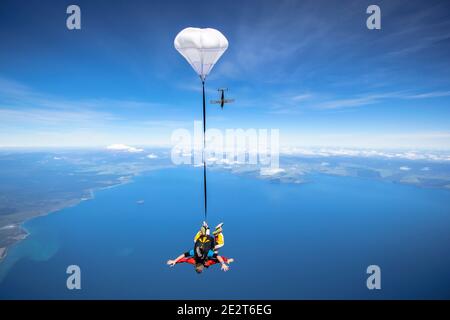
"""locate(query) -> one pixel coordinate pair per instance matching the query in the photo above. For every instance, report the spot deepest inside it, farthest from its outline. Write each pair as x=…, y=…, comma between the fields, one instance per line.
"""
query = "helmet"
x=218, y=229
x=204, y=230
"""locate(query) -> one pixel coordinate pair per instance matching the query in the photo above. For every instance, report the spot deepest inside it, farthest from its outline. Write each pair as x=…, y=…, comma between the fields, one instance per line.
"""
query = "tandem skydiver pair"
x=206, y=250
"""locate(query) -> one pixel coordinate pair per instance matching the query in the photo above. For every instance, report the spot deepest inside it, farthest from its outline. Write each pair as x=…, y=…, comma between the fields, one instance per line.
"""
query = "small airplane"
x=222, y=100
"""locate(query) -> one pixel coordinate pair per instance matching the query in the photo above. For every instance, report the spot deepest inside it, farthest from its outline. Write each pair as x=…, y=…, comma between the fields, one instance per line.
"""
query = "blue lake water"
x=290, y=241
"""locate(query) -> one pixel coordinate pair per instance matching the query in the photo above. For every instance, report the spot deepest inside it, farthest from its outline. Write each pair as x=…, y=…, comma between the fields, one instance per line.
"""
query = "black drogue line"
x=205, y=194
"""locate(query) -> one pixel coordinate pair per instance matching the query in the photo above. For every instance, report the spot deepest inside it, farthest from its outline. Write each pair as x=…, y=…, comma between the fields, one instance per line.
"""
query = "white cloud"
x=123, y=147
x=152, y=156
x=404, y=168
x=226, y=161
x=31, y=118
x=373, y=98
x=271, y=171
x=301, y=97
x=370, y=98
x=435, y=94
x=347, y=103
x=364, y=153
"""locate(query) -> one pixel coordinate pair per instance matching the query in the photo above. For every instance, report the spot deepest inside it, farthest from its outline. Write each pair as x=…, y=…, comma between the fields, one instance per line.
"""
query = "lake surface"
x=290, y=241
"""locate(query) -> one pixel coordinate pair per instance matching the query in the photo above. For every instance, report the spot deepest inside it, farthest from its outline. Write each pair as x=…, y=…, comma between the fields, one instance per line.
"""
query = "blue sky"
x=308, y=68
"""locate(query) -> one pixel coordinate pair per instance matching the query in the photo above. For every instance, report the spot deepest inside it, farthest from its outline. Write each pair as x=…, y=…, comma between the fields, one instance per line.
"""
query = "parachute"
x=202, y=48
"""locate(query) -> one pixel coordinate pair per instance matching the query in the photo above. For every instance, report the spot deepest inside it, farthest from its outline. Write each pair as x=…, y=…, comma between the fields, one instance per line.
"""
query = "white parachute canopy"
x=201, y=48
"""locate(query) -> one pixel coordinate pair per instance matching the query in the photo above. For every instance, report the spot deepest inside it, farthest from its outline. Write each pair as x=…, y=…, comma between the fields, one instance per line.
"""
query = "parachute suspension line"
x=205, y=195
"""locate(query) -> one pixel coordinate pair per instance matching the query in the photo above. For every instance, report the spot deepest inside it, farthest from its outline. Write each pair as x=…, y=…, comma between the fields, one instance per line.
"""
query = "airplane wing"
x=215, y=101
x=228, y=100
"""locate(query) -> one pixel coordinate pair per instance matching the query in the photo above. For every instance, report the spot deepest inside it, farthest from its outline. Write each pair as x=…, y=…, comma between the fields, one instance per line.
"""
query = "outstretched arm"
x=224, y=266
x=171, y=263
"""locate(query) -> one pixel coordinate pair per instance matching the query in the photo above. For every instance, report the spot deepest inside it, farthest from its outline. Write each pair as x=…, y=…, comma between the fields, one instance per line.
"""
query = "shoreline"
x=89, y=195
x=70, y=203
